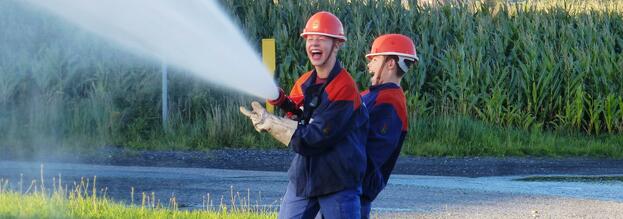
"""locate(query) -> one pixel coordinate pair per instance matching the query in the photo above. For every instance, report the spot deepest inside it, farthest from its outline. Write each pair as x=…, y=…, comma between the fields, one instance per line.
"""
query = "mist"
x=195, y=35
x=66, y=85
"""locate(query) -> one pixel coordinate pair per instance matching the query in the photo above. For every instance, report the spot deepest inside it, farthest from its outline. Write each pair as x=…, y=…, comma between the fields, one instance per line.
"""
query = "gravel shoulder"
x=524, y=207
x=279, y=160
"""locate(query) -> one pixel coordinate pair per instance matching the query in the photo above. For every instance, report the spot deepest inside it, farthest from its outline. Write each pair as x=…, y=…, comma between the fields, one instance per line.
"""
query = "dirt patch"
x=532, y=207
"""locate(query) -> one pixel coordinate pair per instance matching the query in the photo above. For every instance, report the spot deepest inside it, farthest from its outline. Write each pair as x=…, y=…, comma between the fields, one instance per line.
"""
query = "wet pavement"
x=194, y=187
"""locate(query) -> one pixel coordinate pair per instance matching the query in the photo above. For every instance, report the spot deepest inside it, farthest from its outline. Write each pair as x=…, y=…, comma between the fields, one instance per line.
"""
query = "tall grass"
x=553, y=65
x=85, y=200
x=543, y=66
x=461, y=136
x=60, y=86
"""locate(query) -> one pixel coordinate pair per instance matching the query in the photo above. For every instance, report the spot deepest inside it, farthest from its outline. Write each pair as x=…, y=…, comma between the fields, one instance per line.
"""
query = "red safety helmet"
x=393, y=44
x=326, y=24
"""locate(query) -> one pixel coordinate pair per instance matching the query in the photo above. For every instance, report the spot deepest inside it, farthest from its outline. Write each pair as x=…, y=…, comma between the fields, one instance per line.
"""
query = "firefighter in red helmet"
x=389, y=59
x=326, y=126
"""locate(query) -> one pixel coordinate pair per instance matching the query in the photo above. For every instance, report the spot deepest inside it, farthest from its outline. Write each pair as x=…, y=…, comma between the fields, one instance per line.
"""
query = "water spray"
x=193, y=35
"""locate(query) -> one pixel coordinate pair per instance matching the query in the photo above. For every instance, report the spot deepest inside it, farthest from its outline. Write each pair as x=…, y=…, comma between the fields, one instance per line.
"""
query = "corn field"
x=554, y=66
x=542, y=65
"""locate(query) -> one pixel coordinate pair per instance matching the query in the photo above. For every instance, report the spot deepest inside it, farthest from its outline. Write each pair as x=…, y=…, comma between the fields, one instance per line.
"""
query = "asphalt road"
x=405, y=193
x=279, y=160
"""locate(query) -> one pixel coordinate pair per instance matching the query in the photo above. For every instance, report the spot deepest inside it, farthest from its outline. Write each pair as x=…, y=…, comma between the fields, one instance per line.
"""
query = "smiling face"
x=375, y=68
x=383, y=69
x=320, y=50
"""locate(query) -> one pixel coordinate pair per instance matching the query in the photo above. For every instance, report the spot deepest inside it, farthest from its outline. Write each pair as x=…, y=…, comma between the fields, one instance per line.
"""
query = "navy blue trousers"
x=342, y=204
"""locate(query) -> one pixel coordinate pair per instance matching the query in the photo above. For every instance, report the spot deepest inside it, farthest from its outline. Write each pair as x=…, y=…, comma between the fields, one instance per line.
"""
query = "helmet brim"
x=339, y=37
x=405, y=55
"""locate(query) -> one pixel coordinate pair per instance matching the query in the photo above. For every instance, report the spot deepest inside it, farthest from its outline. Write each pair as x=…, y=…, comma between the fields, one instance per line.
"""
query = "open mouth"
x=316, y=54
x=374, y=80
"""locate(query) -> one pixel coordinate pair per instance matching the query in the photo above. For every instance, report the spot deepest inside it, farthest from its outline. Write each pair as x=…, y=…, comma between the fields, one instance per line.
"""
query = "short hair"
x=399, y=71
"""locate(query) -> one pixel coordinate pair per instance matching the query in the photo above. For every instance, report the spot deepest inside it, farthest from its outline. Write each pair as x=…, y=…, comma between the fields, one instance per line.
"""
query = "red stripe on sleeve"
x=343, y=87
x=396, y=98
x=296, y=94
x=365, y=92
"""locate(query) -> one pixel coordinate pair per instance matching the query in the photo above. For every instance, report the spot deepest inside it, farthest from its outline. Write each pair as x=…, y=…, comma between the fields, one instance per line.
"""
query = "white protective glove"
x=280, y=128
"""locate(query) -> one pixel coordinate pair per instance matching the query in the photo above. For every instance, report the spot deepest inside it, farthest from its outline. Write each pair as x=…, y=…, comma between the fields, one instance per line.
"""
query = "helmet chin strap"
x=330, y=52
x=378, y=74
x=401, y=64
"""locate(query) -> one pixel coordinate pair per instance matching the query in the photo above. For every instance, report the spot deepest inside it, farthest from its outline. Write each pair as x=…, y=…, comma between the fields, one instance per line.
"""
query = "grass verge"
x=461, y=136
x=81, y=202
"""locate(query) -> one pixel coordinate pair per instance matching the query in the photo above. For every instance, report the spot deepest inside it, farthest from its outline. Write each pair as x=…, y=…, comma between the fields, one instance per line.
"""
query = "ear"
x=391, y=63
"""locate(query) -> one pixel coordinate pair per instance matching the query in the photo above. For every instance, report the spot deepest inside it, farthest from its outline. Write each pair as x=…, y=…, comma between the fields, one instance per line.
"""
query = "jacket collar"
x=337, y=68
x=383, y=86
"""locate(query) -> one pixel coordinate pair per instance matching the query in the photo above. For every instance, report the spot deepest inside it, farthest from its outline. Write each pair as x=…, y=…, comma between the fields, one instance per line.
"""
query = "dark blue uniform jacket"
x=388, y=127
x=330, y=148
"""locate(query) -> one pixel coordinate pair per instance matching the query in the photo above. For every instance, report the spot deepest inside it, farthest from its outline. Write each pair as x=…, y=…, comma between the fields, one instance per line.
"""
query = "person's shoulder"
x=343, y=82
x=303, y=77
x=343, y=87
x=296, y=89
x=394, y=96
